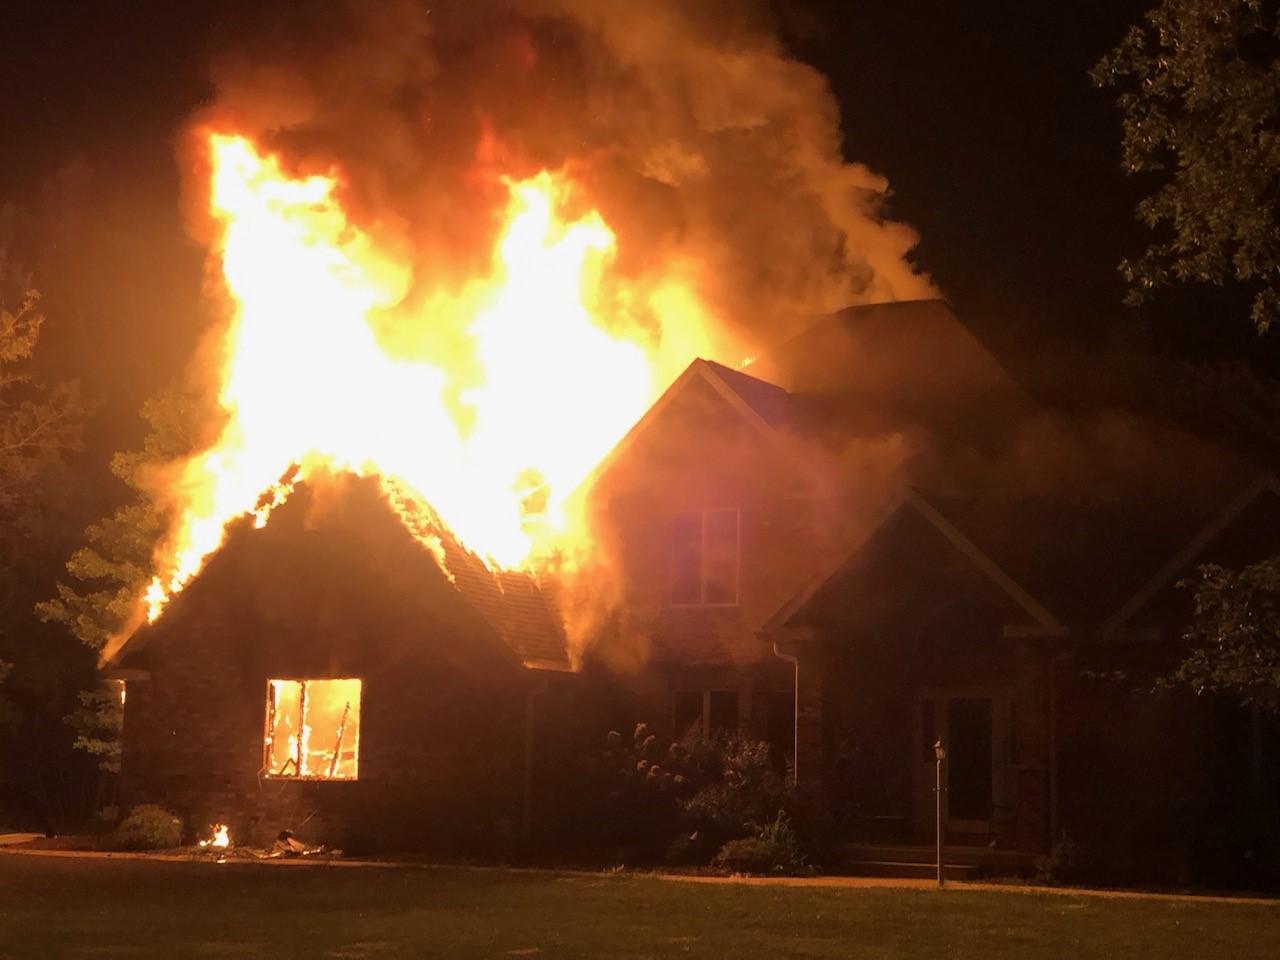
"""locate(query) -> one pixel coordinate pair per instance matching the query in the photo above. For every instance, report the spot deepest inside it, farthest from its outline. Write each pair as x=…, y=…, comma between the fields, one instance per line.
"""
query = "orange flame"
x=307, y=384
x=221, y=837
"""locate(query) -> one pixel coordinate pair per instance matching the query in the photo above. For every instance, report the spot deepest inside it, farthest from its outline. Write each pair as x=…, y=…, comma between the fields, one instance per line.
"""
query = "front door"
x=973, y=726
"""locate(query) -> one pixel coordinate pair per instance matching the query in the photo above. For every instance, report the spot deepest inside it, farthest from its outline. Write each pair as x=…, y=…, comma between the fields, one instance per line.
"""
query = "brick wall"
x=442, y=725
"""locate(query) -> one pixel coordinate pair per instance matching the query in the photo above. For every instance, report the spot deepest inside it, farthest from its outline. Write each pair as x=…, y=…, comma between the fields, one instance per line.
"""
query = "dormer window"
x=705, y=558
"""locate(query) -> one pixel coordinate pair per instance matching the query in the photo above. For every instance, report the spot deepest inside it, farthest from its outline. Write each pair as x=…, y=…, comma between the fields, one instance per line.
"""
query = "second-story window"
x=705, y=558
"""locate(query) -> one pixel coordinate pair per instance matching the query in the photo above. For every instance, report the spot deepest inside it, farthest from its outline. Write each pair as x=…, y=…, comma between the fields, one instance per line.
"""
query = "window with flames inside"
x=313, y=729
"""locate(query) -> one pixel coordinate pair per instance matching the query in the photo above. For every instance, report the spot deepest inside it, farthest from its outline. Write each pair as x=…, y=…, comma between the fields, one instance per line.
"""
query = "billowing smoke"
x=714, y=155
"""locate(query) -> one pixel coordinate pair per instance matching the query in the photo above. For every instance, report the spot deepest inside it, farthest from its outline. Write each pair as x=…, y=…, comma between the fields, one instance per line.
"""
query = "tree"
x=1235, y=634
x=1200, y=82
x=118, y=563
x=40, y=429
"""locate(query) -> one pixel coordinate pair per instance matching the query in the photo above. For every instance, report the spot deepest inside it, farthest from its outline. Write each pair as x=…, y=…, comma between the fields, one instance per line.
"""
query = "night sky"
x=981, y=115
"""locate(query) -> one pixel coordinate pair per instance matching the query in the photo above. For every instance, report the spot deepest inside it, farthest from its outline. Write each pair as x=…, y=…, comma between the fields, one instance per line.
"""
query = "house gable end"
x=1232, y=514
x=1038, y=620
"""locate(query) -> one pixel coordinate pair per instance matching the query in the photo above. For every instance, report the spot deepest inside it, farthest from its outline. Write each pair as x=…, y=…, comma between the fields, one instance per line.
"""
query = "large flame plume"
x=308, y=386
x=710, y=211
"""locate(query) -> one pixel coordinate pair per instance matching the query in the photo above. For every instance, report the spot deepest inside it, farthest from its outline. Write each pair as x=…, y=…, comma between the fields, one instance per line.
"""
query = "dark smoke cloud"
x=709, y=150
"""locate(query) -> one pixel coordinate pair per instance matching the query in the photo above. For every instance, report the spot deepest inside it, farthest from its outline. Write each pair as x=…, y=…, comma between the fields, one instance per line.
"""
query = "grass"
x=66, y=907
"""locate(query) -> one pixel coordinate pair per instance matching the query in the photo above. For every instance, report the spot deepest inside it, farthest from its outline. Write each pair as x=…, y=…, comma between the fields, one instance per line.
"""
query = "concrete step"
x=910, y=870
x=965, y=856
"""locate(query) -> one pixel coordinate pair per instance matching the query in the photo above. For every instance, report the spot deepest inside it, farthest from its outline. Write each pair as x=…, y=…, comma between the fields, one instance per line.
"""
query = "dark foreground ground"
x=69, y=907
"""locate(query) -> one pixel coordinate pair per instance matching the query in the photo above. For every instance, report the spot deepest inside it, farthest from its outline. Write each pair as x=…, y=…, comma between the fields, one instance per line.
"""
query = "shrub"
x=628, y=796
x=647, y=801
x=148, y=827
x=738, y=788
x=772, y=848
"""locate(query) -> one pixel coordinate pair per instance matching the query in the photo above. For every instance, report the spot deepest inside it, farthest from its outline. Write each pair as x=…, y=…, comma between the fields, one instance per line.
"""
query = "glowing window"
x=313, y=729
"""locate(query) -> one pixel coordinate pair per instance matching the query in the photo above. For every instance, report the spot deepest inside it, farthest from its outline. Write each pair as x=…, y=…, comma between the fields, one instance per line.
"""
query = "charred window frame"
x=312, y=729
x=706, y=558
x=710, y=712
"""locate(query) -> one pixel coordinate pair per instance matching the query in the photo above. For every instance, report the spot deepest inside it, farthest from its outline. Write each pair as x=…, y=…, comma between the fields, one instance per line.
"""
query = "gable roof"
x=911, y=362
x=762, y=405
x=912, y=500
x=511, y=602
x=515, y=604
x=768, y=401
x=1266, y=483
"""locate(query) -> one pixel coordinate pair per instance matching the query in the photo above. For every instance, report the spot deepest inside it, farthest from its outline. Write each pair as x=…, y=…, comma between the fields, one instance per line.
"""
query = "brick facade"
x=443, y=704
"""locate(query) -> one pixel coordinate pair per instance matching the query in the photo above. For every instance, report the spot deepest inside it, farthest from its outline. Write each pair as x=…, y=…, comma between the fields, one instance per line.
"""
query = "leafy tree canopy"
x=1235, y=635
x=1199, y=85
x=38, y=427
x=111, y=573
x=115, y=567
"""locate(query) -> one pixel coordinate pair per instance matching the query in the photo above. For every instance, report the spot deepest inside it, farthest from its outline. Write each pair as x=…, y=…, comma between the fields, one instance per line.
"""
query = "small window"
x=313, y=729
x=708, y=712
x=686, y=558
x=705, y=558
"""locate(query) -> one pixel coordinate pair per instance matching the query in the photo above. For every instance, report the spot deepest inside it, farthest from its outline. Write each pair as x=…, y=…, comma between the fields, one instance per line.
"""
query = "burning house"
x=466, y=496
x=800, y=564
x=324, y=670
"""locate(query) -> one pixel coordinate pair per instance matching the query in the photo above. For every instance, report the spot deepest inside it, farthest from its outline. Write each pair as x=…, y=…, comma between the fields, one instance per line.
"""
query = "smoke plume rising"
x=714, y=155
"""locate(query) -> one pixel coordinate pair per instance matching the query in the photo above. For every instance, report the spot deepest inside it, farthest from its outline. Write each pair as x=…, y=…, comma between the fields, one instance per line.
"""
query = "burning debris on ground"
x=220, y=846
x=219, y=840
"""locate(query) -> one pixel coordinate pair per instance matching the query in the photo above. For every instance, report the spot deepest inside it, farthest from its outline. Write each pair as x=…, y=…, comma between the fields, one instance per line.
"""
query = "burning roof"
x=463, y=251
x=339, y=543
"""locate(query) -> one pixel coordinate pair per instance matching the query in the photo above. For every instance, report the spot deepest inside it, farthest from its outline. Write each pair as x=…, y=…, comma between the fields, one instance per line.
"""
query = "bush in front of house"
x=772, y=848
x=148, y=827
x=646, y=801
x=737, y=787
x=628, y=799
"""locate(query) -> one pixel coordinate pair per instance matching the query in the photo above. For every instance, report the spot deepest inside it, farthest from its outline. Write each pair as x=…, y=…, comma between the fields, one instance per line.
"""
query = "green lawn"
x=60, y=907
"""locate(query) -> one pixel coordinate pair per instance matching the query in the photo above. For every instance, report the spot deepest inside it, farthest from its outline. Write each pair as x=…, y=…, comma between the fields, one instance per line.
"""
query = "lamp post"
x=939, y=755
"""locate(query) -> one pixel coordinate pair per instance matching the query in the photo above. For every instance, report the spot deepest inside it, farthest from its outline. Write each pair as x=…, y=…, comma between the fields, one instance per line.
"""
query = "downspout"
x=795, y=711
x=526, y=812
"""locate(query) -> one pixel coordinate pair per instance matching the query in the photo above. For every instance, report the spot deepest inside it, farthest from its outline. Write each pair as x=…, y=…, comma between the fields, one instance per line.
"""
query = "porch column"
x=1029, y=786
